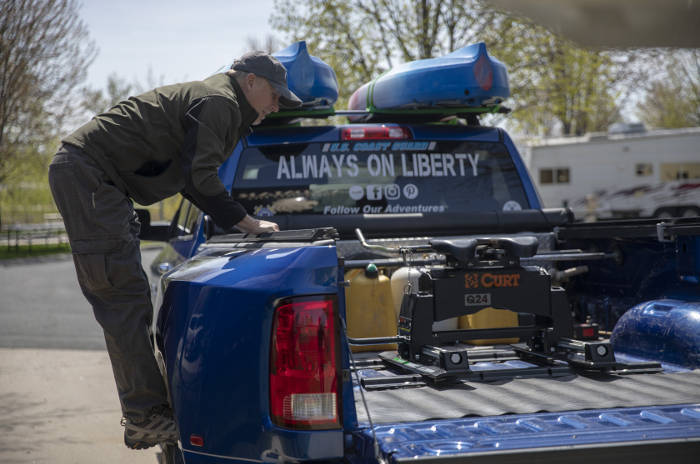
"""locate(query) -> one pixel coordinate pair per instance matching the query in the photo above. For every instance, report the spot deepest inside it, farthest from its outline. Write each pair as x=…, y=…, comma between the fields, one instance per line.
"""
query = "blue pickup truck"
x=419, y=305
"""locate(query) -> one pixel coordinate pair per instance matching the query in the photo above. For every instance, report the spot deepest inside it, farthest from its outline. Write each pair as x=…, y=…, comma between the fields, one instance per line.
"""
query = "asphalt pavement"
x=58, y=401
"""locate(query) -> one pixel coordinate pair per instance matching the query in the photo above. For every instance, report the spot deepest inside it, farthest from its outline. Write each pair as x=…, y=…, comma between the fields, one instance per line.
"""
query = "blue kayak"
x=310, y=78
x=465, y=78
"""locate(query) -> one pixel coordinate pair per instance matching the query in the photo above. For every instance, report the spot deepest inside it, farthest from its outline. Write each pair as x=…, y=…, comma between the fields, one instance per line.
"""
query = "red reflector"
x=588, y=332
x=375, y=133
x=303, y=364
x=196, y=440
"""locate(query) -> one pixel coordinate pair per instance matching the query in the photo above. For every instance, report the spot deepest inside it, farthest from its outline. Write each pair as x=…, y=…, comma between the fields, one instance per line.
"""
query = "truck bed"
x=575, y=392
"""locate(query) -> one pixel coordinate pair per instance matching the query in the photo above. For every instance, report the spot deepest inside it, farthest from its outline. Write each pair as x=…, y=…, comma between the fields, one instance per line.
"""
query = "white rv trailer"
x=628, y=172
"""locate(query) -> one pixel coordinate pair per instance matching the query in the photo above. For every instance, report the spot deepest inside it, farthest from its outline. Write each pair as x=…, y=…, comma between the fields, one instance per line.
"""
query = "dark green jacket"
x=172, y=139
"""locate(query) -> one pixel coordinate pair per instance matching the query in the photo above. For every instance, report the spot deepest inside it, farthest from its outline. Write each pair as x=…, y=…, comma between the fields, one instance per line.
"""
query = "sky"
x=178, y=40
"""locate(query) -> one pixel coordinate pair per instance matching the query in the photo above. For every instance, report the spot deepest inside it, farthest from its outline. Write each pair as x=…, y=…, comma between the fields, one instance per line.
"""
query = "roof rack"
x=433, y=114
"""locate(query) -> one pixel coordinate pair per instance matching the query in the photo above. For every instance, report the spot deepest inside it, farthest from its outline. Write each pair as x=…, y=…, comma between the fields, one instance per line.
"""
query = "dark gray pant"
x=103, y=233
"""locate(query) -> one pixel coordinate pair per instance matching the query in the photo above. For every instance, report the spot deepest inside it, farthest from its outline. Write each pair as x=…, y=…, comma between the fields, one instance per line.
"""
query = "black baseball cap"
x=265, y=65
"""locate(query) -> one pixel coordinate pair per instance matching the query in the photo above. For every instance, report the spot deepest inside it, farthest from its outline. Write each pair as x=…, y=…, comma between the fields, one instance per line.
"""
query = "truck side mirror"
x=209, y=227
x=159, y=232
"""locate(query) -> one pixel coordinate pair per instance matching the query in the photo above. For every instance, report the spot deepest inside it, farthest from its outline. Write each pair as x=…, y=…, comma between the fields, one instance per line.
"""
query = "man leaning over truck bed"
x=147, y=148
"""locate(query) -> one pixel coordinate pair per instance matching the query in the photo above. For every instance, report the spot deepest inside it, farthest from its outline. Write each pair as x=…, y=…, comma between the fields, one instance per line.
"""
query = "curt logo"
x=488, y=280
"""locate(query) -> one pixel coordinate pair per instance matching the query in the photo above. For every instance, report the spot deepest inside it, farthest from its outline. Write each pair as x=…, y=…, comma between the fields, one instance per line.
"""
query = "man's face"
x=261, y=96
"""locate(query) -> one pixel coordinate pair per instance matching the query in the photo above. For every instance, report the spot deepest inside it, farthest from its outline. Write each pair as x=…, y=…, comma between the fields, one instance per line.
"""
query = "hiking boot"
x=157, y=427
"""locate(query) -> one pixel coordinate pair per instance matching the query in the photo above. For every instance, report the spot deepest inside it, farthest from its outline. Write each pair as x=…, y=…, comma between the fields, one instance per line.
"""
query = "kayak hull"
x=311, y=79
x=467, y=77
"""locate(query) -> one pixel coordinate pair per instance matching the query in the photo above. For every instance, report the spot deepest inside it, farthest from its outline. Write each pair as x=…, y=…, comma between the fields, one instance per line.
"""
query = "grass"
x=25, y=251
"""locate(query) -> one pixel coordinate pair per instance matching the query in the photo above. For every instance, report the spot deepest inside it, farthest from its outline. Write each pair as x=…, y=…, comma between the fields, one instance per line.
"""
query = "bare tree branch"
x=44, y=54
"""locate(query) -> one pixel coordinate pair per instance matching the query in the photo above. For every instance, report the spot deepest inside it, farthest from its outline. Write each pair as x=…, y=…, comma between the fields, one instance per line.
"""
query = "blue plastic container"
x=309, y=77
x=661, y=330
x=467, y=77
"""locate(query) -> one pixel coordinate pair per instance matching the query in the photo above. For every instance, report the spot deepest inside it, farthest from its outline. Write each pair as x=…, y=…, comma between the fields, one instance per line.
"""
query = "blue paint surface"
x=464, y=437
x=309, y=77
x=661, y=330
x=467, y=77
x=214, y=331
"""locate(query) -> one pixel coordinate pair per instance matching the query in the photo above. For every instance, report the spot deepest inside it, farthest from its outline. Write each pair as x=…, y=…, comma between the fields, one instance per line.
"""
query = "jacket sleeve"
x=211, y=126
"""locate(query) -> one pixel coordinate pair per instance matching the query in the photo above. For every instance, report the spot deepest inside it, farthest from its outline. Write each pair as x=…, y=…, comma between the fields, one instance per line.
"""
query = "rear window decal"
x=379, y=146
x=389, y=209
x=316, y=166
x=410, y=191
x=356, y=192
x=378, y=177
x=383, y=192
x=263, y=211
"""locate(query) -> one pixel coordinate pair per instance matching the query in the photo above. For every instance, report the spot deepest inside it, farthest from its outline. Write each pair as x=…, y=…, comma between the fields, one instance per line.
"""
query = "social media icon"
x=410, y=191
x=392, y=192
x=512, y=206
x=374, y=192
x=356, y=192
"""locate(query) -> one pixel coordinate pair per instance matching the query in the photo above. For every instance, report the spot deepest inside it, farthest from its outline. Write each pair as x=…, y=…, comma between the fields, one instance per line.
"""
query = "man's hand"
x=251, y=225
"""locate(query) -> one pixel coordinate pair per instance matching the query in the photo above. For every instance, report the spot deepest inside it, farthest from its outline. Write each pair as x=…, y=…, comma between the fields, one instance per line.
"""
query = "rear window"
x=378, y=177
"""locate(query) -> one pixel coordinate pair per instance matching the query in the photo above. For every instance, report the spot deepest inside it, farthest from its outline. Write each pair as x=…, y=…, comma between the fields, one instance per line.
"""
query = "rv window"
x=644, y=169
x=677, y=171
x=563, y=176
x=546, y=176
x=554, y=176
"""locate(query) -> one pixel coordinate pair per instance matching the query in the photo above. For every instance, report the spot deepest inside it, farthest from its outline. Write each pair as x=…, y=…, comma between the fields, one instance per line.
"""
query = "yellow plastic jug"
x=399, y=280
x=369, y=308
x=490, y=318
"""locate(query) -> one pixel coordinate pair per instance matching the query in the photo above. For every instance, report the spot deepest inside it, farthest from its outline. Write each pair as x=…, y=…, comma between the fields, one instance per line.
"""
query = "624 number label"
x=477, y=299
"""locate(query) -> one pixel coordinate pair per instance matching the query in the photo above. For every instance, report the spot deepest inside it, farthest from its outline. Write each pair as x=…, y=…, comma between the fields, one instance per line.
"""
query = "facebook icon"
x=374, y=192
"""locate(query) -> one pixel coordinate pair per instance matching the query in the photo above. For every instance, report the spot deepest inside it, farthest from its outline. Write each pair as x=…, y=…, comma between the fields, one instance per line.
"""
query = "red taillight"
x=303, y=364
x=375, y=132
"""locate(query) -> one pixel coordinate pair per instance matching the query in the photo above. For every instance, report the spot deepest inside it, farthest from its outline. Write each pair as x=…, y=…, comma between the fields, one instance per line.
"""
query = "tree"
x=44, y=54
x=554, y=84
x=96, y=101
x=673, y=99
x=558, y=87
x=360, y=39
x=268, y=44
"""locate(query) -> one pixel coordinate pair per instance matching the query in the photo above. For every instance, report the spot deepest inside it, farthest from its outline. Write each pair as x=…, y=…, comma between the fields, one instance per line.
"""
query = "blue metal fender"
x=214, y=332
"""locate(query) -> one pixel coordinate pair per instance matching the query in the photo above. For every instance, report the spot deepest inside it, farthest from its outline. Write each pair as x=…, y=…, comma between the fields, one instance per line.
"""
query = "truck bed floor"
x=526, y=395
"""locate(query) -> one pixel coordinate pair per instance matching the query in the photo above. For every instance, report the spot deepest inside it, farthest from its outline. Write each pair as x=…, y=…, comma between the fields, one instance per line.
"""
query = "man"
x=147, y=148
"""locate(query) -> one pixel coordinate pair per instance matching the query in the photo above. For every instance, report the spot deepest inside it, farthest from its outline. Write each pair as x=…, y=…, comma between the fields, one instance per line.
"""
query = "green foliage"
x=96, y=101
x=673, y=99
x=558, y=87
x=44, y=55
x=555, y=85
x=25, y=196
x=27, y=251
x=118, y=88
x=163, y=210
x=361, y=39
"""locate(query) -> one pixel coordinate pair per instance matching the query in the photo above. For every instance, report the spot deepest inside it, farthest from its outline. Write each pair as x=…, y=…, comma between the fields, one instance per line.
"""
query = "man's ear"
x=250, y=80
